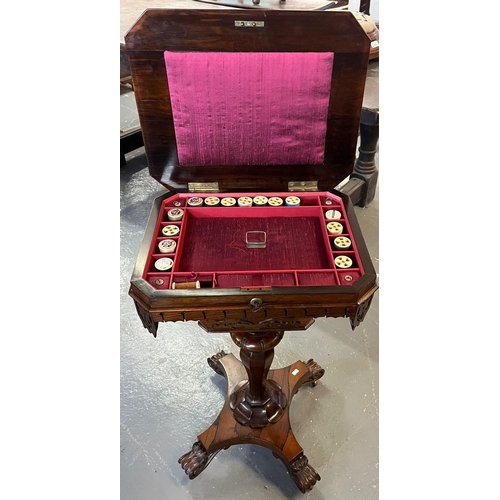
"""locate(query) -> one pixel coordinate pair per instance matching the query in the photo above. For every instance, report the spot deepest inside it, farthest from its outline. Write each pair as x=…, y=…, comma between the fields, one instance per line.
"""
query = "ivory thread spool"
x=275, y=201
x=195, y=201
x=342, y=243
x=260, y=201
x=245, y=201
x=186, y=285
x=334, y=227
x=292, y=201
x=164, y=264
x=333, y=215
x=175, y=214
x=228, y=202
x=167, y=246
x=212, y=201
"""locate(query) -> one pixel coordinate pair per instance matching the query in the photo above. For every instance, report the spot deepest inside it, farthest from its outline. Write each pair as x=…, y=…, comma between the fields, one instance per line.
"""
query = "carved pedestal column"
x=257, y=401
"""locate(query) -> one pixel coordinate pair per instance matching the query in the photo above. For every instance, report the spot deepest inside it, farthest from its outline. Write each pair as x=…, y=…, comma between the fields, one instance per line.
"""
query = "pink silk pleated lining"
x=249, y=108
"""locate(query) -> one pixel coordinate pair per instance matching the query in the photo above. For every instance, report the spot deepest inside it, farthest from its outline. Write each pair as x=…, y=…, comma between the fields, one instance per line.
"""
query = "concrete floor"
x=169, y=394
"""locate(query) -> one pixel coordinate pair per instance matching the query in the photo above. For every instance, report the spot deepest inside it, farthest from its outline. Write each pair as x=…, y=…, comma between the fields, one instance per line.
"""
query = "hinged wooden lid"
x=212, y=34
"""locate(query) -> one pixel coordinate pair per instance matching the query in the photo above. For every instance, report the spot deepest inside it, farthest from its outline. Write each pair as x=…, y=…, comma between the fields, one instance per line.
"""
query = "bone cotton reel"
x=170, y=230
x=342, y=243
x=260, y=201
x=228, y=202
x=343, y=261
x=334, y=227
x=292, y=201
x=195, y=201
x=333, y=215
x=164, y=264
x=245, y=201
x=212, y=201
x=274, y=201
x=175, y=214
x=167, y=246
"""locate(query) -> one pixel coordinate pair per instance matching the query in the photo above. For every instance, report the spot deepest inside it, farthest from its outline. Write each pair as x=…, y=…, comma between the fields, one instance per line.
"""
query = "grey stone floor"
x=169, y=394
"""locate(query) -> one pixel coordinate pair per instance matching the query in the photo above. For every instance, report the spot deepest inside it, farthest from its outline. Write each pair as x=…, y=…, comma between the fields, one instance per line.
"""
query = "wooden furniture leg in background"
x=256, y=409
x=362, y=183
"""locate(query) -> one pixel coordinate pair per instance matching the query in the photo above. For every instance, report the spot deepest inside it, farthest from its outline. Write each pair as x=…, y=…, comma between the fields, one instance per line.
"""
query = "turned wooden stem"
x=257, y=401
x=257, y=365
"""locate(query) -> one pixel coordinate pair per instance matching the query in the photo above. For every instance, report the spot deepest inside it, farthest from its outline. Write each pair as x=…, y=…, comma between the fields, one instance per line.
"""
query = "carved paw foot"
x=213, y=362
x=303, y=474
x=194, y=462
x=315, y=372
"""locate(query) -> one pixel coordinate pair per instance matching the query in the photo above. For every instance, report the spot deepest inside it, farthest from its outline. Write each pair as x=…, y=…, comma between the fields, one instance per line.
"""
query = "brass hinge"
x=303, y=186
x=203, y=187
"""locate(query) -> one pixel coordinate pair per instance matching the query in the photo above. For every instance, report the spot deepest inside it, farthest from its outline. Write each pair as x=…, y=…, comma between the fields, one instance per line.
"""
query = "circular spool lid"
x=175, y=214
x=260, y=201
x=343, y=261
x=342, y=242
x=275, y=201
x=292, y=201
x=245, y=201
x=228, y=202
x=195, y=201
x=164, y=264
x=334, y=227
x=170, y=230
x=212, y=201
x=167, y=246
x=333, y=215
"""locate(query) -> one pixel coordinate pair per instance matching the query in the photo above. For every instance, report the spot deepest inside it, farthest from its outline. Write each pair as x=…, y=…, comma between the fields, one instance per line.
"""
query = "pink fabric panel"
x=249, y=108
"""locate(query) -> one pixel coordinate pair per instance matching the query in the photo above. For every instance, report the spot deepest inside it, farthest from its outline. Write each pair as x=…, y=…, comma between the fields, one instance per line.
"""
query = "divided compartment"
x=205, y=280
x=348, y=276
x=351, y=255
x=317, y=278
x=328, y=200
x=214, y=240
x=174, y=202
x=161, y=281
x=211, y=244
x=255, y=279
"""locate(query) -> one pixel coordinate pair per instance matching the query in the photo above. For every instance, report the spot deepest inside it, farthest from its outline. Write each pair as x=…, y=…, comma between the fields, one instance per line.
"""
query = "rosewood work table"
x=250, y=120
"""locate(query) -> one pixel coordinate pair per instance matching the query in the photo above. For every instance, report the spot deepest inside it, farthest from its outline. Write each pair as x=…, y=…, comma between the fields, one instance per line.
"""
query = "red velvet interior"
x=219, y=244
x=212, y=247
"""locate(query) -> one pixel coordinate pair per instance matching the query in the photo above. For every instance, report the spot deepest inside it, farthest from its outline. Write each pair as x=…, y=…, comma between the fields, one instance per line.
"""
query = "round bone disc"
x=175, y=214
x=292, y=201
x=195, y=201
x=245, y=201
x=170, y=230
x=333, y=215
x=228, y=202
x=342, y=242
x=334, y=227
x=167, y=246
x=212, y=201
x=164, y=264
x=343, y=261
x=260, y=201
x=274, y=201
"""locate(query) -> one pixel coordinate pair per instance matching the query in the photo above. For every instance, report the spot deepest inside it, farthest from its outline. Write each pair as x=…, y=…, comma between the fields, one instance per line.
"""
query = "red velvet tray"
x=213, y=249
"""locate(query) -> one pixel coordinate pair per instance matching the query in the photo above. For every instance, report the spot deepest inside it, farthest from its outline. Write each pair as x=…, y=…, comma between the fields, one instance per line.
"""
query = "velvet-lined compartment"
x=211, y=245
x=219, y=243
x=249, y=108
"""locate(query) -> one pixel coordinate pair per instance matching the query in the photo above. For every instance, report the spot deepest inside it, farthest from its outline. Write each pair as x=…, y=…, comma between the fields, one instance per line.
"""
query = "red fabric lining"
x=249, y=108
x=218, y=244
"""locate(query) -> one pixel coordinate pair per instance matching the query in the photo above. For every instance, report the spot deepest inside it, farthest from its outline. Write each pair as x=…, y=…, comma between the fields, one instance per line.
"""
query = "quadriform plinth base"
x=276, y=434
